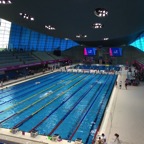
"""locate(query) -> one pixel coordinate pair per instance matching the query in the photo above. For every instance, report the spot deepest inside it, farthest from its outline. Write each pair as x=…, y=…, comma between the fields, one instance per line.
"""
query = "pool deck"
x=127, y=118
x=19, y=138
x=128, y=114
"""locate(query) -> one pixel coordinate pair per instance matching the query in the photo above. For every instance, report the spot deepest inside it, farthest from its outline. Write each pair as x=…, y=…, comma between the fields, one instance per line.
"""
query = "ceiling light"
x=101, y=12
x=49, y=27
x=97, y=26
x=32, y=19
x=106, y=39
x=81, y=36
x=26, y=16
x=85, y=36
x=5, y=2
x=78, y=36
x=9, y=1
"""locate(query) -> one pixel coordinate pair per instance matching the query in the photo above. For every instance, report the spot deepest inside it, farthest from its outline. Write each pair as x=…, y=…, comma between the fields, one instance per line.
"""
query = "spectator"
x=126, y=85
x=99, y=141
x=103, y=137
x=1, y=83
x=116, y=83
x=120, y=84
x=104, y=142
x=117, y=138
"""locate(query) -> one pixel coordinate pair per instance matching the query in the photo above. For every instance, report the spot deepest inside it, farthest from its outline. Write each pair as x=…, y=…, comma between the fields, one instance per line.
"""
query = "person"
x=116, y=83
x=37, y=83
x=126, y=85
x=104, y=142
x=120, y=84
x=117, y=138
x=1, y=83
x=103, y=137
x=99, y=141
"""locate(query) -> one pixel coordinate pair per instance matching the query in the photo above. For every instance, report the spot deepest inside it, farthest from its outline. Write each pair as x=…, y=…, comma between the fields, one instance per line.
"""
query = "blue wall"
x=139, y=42
x=21, y=37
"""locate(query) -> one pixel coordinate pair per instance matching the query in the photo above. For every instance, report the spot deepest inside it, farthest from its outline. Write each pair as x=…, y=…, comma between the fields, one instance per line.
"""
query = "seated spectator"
x=99, y=141
x=103, y=137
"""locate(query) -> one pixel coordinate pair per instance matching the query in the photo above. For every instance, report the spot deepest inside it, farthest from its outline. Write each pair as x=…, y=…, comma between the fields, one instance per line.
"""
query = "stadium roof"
x=71, y=18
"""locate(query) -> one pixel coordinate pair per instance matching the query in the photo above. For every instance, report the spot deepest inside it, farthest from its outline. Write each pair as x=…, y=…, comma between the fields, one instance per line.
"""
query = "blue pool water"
x=69, y=104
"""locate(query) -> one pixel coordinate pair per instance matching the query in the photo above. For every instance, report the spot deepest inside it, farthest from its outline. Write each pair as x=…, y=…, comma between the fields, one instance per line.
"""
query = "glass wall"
x=24, y=38
x=4, y=33
x=139, y=42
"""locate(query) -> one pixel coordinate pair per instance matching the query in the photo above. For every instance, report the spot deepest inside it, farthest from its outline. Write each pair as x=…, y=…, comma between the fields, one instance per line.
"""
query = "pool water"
x=69, y=104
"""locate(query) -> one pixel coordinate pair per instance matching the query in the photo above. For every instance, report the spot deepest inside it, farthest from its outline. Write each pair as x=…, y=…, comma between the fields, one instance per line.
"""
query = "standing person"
x=1, y=83
x=116, y=83
x=117, y=138
x=126, y=85
x=120, y=84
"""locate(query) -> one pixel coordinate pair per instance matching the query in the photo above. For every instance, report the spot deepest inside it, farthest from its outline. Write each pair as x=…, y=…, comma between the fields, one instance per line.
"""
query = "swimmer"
x=37, y=82
x=92, y=122
x=93, y=131
x=50, y=91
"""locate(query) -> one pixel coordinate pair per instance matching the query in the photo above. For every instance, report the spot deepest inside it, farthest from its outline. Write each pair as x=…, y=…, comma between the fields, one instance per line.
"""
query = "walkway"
x=127, y=114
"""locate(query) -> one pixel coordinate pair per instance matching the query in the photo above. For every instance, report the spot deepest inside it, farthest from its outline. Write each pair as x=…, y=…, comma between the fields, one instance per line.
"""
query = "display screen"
x=116, y=52
x=89, y=51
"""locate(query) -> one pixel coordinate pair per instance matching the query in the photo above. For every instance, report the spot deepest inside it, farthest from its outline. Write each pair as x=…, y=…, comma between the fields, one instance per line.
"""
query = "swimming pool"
x=69, y=104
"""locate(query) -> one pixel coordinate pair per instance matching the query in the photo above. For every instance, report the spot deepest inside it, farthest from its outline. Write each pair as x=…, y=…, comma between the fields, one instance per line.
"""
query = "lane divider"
x=60, y=105
x=23, y=121
x=34, y=103
x=72, y=108
x=84, y=115
x=21, y=85
x=99, y=112
x=19, y=96
x=31, y=96
x=95, y=94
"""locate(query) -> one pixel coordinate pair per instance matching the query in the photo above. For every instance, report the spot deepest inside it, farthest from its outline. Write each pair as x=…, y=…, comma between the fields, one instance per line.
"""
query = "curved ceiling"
x=71, y=17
